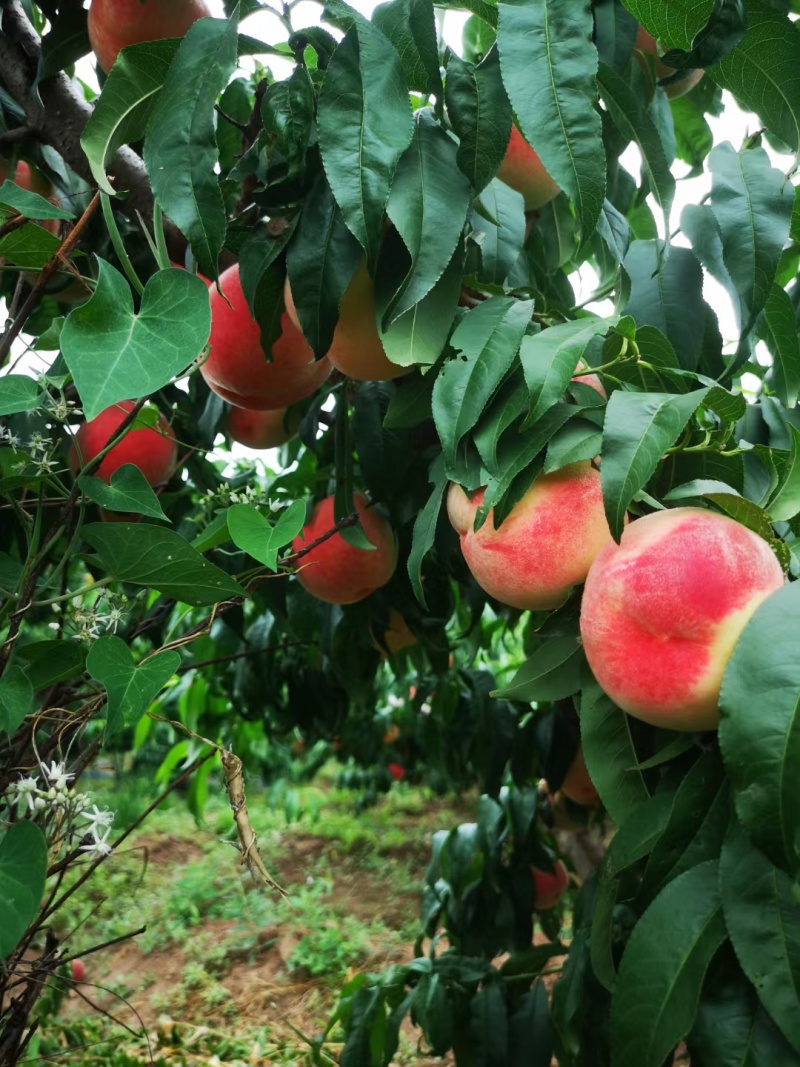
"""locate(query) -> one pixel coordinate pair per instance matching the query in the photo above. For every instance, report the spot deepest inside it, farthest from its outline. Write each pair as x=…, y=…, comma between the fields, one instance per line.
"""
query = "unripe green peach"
x=663, y=610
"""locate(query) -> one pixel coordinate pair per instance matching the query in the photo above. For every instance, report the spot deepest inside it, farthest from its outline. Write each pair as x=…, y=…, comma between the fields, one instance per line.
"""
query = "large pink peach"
x=261, y=429
x=524, y=171
x=356, y=349
x=152, y=448
x=237, y=368
x=647, y=44
x=545, y=546
x=114, y=24
x=663, y=610
x=338, y=572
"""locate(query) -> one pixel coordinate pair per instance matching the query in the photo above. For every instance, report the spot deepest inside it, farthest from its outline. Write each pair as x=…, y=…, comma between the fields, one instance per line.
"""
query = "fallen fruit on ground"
x=545, y=546
x=152, y=448
x=549, y=886
x=237, y=368
x=261, y=429
x=524, y=171
x=662, y=611
x=356, y=349
x=338, y=572
x=115, y=24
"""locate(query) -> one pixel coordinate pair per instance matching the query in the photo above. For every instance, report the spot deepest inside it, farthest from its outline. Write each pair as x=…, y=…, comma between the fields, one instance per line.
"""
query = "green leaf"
x=638, y=429
x=122, y=111
x=480, y=113
x=551, y=673
x=732, y=1027
x=578, y=440
x=287, y=112
x=675, y=25
x=753, y=206
x=428, y=205
x=500, y=241
x=364, y=121
x=23, y=869
x=633, y=120
x=31, y=205
x=156, y=557
x=66, y=42
x=115, y=354
x=251, y=532
x=410, y=26
x=411, y=403
x=321, y=260
x=488, y=338
x=785, y=504
x=16, y=698
x=667, y=294
x=693, y=136
x=610, y=754
x=549, y=68
x=130, y=689
x=180, y=148
x=529, y=1030
x=762, y=752
x=425, y=529
x=696, y=827
x=488, y=1026
x=29, y=247
x=778, y=330
x=18, y=393
x=419, y=335
x=128, y=490
x=663, y=967
x=48, y=662
x=761, y=71
x=763, y=919
x=550, y=359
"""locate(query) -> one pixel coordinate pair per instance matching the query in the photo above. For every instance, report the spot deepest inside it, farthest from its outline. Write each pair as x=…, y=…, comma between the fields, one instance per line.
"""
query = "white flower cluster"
x=42, y=451
x=91, y=621
x=48, y=799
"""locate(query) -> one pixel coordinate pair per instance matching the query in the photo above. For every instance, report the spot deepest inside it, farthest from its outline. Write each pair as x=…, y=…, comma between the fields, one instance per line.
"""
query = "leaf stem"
x=119, y=247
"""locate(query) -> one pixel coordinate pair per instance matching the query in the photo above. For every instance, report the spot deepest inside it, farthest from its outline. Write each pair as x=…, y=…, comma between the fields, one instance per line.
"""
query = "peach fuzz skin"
x=523, y=170
x=152, y=450
x=338, y=572
x=549, y=886
x=237, y=369
x=546, y=545
x=260, y=429
x=114, y=24
x=356, y=349
x=662, y=611
x=647, y=44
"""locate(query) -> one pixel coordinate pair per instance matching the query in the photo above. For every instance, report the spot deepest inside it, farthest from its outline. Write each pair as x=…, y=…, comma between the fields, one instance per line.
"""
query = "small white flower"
x=425, y=709
x=56, y=774
x=276, y=505
x=37, y=443
x=25, y=788
x=45, y=465
x=98, y=818
x=53, y=625
x=39, y=804
x=9, y=438
x=99, y=844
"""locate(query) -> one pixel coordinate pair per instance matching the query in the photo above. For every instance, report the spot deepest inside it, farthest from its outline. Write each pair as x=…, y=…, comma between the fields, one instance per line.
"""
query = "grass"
x=241, y=968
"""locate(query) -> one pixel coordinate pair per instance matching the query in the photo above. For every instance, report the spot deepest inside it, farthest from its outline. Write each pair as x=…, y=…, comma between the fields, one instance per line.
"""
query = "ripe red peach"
x=577, y=784
x=261, y=429
x=237, y=368
x=356, y=349
x=647, y=44
x=523, y=170
x=662, y=611
x=115, y=24
x=545, y=546
x=549, y=886
x=338, y=572
x=152, y=448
